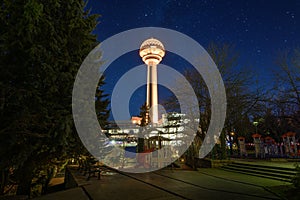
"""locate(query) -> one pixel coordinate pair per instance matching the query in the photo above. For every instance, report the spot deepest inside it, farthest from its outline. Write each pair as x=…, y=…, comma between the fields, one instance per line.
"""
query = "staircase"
x=266, y=171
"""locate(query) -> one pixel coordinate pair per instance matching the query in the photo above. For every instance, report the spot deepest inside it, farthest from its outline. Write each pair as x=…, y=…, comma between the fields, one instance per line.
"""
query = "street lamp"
x=231, y=141
x=255, y=123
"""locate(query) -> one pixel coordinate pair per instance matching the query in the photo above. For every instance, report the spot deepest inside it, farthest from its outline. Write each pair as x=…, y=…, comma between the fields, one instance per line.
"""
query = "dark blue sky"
x=259, y=29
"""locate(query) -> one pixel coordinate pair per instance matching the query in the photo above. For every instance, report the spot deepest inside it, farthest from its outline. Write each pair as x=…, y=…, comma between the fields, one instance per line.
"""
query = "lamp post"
x=231, y=141
x=255, y=123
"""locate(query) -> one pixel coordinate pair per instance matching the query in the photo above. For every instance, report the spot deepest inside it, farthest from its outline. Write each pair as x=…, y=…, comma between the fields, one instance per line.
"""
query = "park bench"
x=89, y=167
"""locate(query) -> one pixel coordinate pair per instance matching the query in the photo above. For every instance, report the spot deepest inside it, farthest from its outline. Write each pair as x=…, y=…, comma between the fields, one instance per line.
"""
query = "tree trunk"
x=223, y=146
x=3, y=181
x=24, y=187
x=25, y=176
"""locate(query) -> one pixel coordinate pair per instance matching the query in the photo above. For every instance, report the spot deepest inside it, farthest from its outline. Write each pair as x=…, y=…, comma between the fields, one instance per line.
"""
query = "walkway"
x=167, y=185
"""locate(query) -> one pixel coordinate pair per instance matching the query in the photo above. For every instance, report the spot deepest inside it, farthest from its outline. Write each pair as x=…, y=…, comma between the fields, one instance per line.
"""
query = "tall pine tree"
x=42, y=45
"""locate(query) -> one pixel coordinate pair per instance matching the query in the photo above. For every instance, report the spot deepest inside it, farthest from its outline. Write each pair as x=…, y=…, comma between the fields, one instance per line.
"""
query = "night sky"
x=259, y=29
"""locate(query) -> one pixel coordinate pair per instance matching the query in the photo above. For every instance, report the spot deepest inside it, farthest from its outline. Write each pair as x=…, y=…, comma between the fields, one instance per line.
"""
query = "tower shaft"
x=152, y=92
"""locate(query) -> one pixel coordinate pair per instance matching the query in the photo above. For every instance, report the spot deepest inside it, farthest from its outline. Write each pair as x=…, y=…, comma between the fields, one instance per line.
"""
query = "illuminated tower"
x=152, y=51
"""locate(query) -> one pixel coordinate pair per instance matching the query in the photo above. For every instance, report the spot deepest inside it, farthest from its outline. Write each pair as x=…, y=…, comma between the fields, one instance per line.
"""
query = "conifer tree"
x=42, y=45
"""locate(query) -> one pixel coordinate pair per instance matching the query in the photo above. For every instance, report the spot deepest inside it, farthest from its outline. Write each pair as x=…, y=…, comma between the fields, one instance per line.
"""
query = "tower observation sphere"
x=152, y=51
